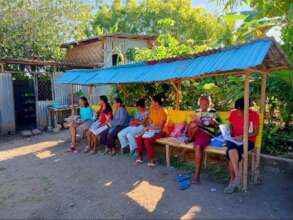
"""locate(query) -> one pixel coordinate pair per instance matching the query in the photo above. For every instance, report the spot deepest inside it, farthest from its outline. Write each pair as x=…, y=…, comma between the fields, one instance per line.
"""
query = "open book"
x=226, y=132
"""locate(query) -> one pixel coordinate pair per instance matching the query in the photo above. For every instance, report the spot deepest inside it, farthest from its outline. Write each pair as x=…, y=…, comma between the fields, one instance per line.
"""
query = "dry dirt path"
x=39, y=180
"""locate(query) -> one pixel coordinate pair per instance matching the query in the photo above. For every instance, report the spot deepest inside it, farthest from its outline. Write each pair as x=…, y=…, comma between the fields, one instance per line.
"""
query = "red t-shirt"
x=103, y=115
x=237, y=123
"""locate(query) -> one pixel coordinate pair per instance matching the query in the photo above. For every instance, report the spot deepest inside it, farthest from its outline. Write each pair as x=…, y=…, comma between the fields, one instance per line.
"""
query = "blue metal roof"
x=228, y=59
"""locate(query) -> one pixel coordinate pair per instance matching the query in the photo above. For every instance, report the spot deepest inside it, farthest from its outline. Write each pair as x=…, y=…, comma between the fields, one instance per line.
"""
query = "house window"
x=44, y=89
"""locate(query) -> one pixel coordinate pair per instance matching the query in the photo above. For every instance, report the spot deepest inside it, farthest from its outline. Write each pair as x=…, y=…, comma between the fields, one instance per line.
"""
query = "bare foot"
x=195, y=180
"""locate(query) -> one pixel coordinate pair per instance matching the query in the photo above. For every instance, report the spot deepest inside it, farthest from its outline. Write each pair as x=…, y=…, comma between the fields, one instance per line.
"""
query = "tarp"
x=224, y=60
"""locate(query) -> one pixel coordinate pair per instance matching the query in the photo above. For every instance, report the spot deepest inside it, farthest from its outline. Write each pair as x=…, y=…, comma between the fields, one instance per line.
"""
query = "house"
x=25, y=100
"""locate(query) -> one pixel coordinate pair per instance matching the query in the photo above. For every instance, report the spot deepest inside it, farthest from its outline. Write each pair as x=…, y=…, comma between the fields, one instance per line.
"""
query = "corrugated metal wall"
x=7, y=116
x=42, y=113
x=62, y=92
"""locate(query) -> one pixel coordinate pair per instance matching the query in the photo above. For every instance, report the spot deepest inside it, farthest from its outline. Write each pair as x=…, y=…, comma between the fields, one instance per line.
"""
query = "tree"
x=192, y=26
x=35, y=29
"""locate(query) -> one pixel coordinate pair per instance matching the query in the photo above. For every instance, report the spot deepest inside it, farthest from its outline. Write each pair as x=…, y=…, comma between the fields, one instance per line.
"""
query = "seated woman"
x=137, y=125
x=120, y=121
x=79, y=126
x=104, y=114
x=157, y=120
x=235, y=149
x=202, y=128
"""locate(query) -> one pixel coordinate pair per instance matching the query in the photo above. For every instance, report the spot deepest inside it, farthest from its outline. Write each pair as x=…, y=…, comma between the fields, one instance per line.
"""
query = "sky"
x=212, y=7
x=209, y=5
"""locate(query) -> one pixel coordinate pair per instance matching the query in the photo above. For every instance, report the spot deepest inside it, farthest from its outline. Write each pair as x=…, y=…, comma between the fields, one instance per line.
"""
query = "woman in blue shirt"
x=78, y=127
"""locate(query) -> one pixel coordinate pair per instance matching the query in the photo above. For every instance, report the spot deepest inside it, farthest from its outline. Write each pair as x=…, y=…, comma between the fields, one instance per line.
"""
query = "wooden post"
x=2, y=69
x=245, y=135
x=90, y=91
x=72, y=101
x=262, y=111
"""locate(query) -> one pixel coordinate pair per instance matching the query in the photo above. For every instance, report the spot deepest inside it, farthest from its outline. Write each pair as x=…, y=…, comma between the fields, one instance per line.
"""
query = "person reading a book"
x=202, y=127
x=235, y=147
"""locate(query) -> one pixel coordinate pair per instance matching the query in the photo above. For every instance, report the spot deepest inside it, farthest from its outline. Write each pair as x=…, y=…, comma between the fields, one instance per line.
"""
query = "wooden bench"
x=176, y=116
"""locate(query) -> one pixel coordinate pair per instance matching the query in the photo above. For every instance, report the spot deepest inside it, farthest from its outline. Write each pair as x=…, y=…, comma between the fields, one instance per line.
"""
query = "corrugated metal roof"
x=116, y=35
x=224, y=60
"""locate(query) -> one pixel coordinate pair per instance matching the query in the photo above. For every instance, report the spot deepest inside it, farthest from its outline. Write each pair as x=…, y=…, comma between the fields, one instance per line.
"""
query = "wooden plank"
x=261, y=110
x=245, y=135
x=49, y=63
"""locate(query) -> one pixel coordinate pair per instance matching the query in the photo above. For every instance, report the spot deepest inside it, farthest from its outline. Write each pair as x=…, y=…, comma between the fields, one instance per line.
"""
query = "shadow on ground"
x=39, y=180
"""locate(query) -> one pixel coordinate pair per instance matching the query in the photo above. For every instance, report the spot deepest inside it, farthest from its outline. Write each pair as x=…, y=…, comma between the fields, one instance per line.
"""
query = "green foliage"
x=36, y=29
x=173, y=17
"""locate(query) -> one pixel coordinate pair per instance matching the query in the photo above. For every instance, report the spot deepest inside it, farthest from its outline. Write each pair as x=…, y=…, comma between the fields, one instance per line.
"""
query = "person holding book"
x=235, y=146
x=202, y=128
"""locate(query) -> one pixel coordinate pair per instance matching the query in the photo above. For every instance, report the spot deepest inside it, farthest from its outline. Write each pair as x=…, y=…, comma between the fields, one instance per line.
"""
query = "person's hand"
x=133, y=123
x=213, y=122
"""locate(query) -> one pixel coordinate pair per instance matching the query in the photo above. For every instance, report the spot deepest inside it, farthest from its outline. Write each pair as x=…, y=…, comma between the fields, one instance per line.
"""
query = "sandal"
x=87, y=149
x=139, y=161
x=92, y=152
x=113, y=153
x=152, y=164
x=106, y=151
x=71, y=148
x=229, y=189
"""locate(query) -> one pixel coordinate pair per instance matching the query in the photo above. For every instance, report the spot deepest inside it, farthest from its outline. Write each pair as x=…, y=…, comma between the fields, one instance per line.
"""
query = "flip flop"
x=151, y=164
x=70, y=149
x=86, y=150
x=139, y=161
x=181, y=178
x=184, y=185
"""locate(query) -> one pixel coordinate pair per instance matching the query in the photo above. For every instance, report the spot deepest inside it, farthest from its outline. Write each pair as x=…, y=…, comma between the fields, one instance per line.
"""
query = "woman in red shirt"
x=104, y=114
x=235, y=148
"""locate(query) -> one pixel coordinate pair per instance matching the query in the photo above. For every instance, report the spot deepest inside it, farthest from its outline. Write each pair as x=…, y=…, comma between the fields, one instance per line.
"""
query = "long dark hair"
x=158, y=98
x=85, y=101
x=108, y=106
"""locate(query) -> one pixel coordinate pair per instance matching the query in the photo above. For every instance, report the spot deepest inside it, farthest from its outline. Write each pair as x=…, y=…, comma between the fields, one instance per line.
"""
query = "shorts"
x=239, y=148
x=202, y=139
x=82, y=127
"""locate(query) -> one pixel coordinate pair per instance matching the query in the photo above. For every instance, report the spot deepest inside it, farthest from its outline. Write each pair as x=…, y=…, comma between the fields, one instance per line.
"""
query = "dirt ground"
x=39, y=180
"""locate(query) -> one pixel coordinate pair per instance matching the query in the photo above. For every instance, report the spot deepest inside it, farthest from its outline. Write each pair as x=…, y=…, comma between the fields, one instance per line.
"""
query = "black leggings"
x=230, y=146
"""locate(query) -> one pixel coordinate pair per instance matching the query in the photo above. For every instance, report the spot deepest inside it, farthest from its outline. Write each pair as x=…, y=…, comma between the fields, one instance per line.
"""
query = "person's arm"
x=143, y=122
x=121, y=118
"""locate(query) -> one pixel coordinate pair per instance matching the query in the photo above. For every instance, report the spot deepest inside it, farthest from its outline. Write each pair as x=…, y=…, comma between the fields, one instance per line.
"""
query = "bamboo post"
x=2, y=69
x=262, y=111
x=72, y=101
x=245, y=135
x=90, y=92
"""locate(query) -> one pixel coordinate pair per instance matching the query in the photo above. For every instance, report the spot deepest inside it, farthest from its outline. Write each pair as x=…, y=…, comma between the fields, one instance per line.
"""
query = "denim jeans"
x=127, y=136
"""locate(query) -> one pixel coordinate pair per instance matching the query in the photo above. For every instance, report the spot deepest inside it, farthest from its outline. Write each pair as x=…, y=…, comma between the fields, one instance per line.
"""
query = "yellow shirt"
x=158, y=117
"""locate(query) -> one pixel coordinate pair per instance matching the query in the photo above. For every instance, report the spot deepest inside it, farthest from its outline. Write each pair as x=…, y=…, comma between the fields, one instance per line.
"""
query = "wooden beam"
x=245, y=130
x=49, y=63
x=263, y=96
